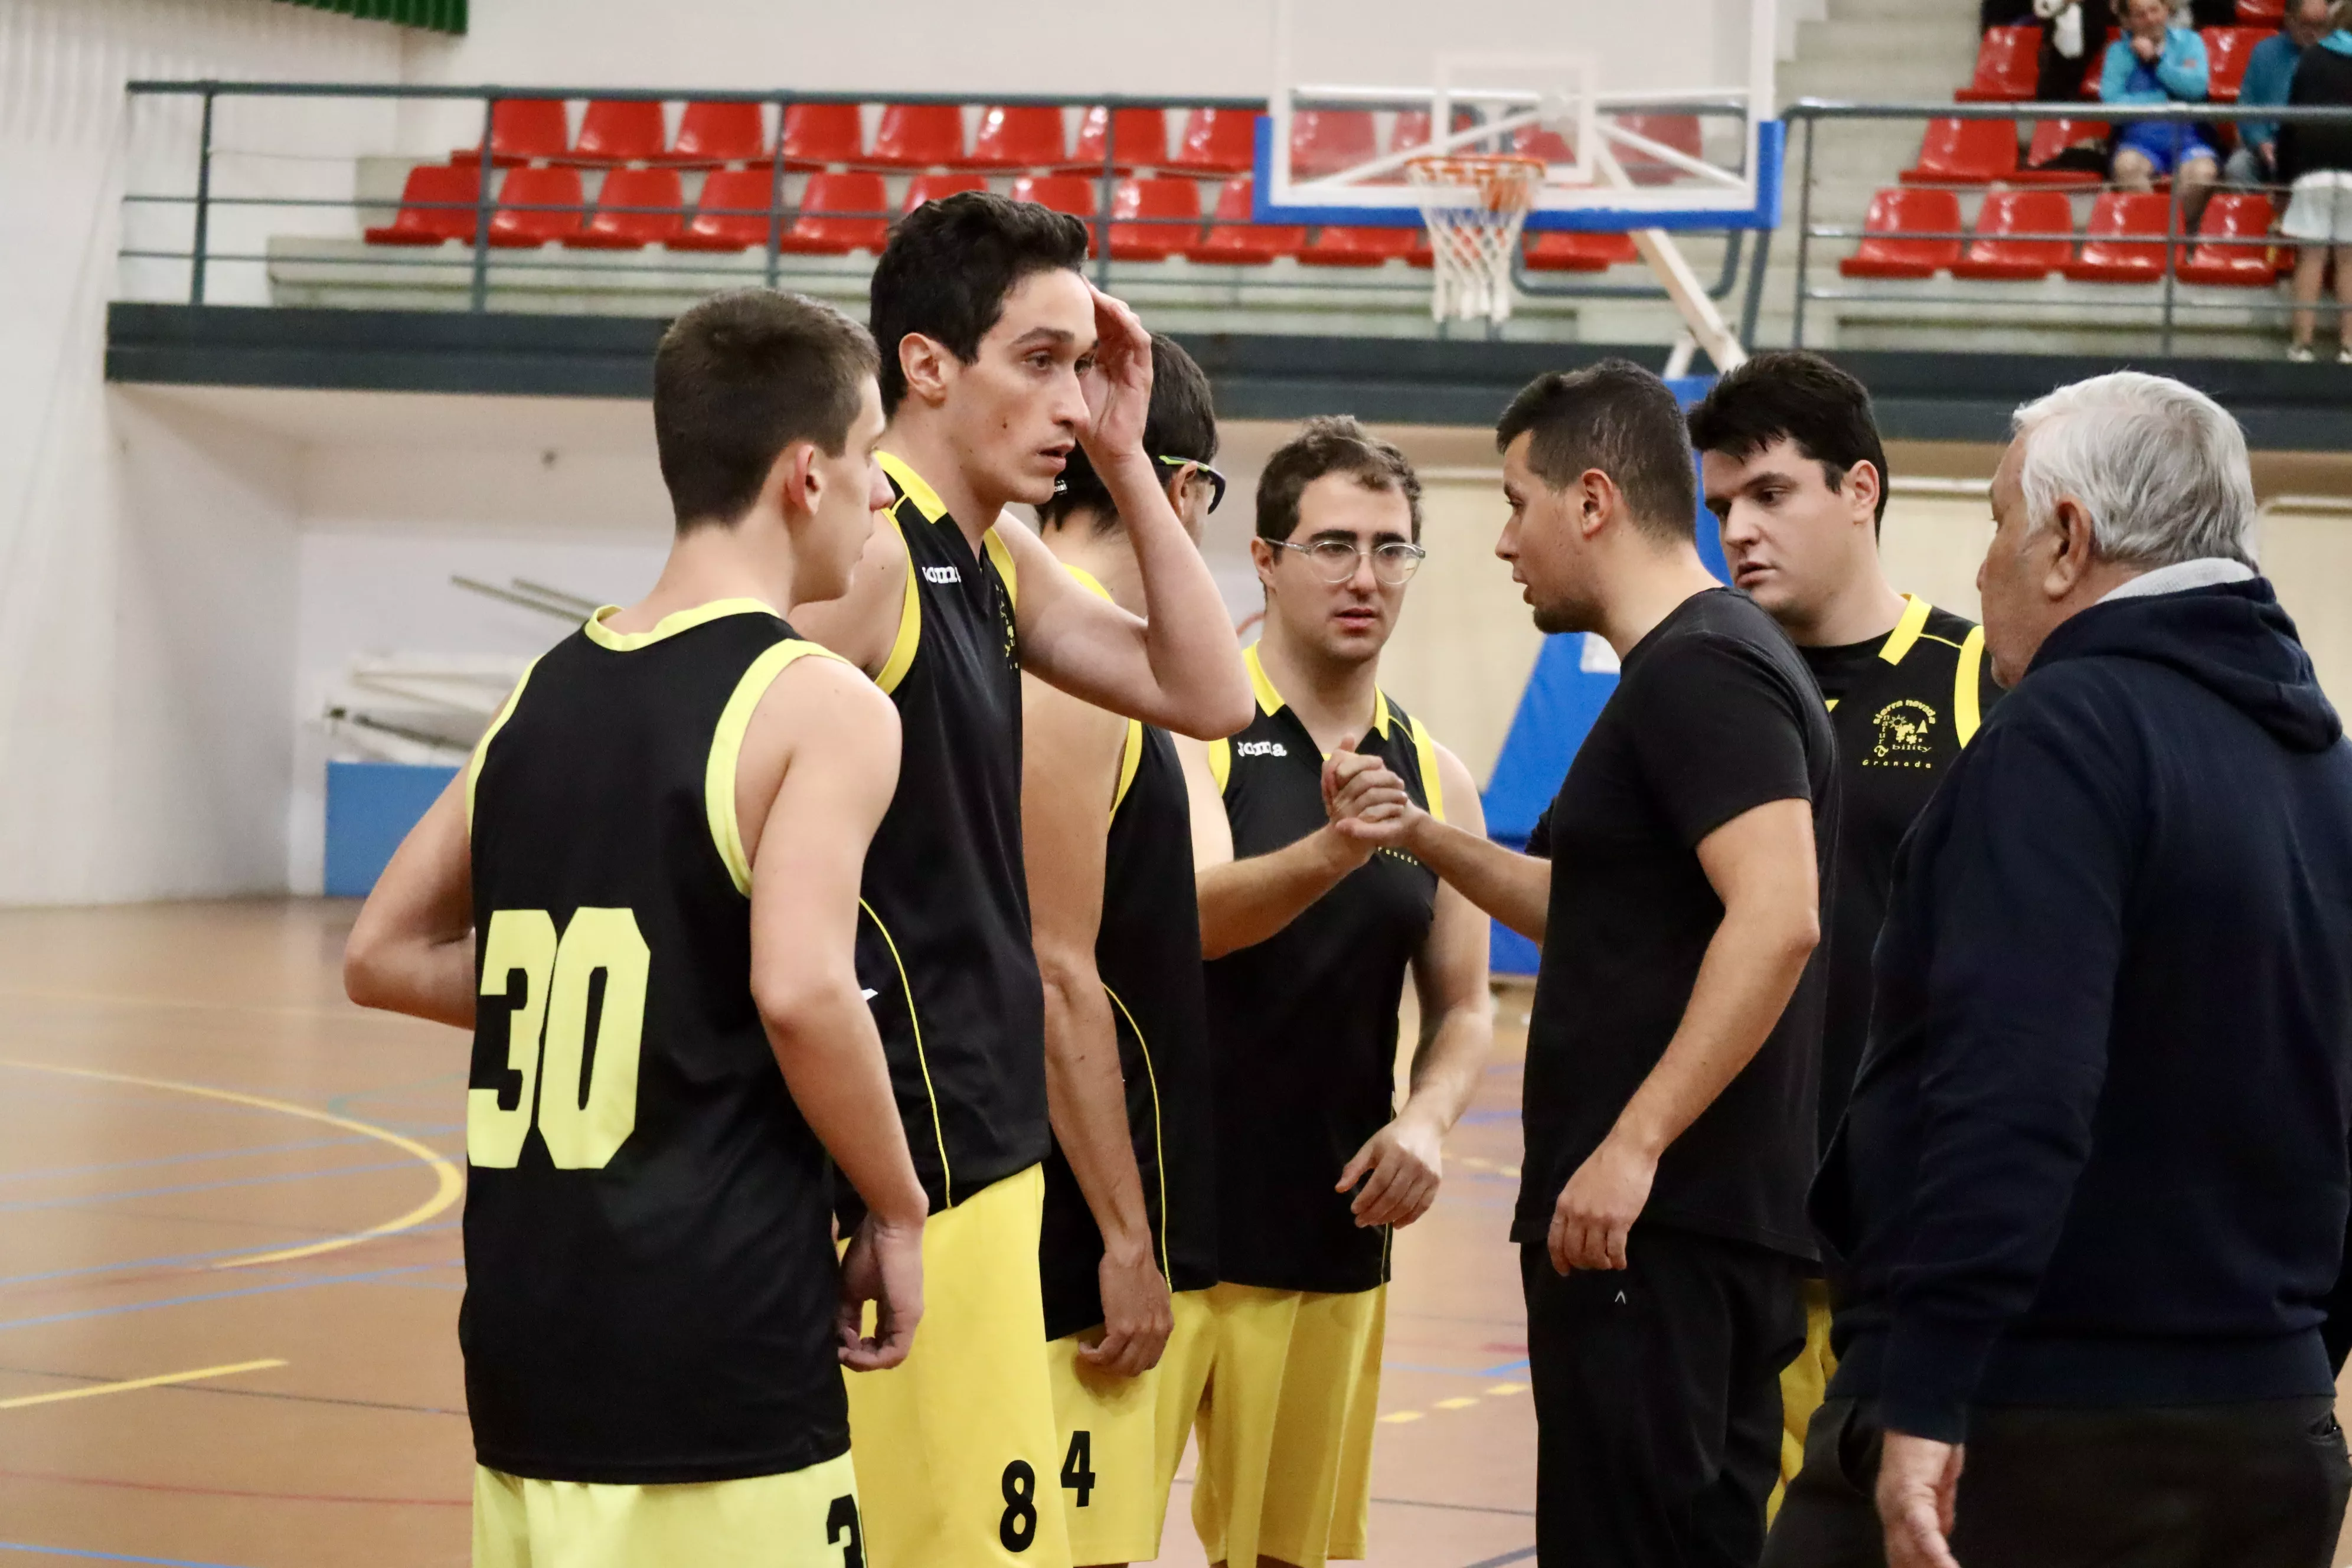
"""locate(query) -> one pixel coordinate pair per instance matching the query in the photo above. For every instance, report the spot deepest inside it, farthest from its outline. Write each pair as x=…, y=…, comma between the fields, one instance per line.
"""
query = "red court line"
x=230, y=1491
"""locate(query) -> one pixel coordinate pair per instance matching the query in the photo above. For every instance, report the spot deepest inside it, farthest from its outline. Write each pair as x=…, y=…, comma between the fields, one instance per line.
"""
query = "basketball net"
x=1475, y=206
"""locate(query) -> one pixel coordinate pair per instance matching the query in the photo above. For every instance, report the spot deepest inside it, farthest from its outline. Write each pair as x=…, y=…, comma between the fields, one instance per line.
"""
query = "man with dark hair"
x=998, y=360
x=1671, y=1049
x=641, y=895
x=1130, y=1199
x=1796, y=476
x=1310, y=933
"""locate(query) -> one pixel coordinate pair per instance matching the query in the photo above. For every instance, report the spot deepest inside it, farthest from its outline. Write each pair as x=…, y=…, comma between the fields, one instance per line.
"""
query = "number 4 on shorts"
x=1079, y=1467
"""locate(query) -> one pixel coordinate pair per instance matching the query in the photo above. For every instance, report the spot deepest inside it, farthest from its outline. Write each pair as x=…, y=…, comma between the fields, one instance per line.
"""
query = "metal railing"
x=2089, y=300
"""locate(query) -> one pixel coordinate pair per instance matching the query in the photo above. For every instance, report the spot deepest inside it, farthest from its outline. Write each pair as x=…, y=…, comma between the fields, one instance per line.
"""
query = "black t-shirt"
x=1835, y=669
x=1714, y=715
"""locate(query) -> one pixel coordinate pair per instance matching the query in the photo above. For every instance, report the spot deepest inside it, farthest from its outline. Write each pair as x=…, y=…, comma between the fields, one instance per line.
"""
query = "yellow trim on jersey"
x=1966, y=714
x=1087, y=580
x=1906, y=630
x=669, y=626
x=727, y=750
x=1381, y=713
x=1425, y=751
x=1002, y=554
x=482, y=746
x=912, y=486
x=1221, y=762
x=910, y=614
x=1159, y=1142
x=1269, y=700
x=939, y=1130
x=1131, y=759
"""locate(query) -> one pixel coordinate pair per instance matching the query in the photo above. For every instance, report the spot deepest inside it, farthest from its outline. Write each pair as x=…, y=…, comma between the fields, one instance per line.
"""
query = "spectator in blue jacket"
x=2088, y=1201
x=2270, y=71
x=2156, y=62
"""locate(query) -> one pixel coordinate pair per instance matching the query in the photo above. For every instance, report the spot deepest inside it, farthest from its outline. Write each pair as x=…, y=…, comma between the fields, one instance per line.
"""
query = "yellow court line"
x=158, y=1381
x=448, y=1185
x=1459, y=1401
x=1508, y=1388
x=1400, y=1415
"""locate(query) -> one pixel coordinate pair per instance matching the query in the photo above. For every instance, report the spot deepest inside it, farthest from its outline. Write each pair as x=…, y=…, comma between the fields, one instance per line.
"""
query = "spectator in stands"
x=2316, y=161
x=2064, y=27
x=2270, y=70
x=2156, y=62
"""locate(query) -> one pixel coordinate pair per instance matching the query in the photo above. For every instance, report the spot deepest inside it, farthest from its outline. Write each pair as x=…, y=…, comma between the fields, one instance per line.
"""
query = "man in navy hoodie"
x=2089, y=1196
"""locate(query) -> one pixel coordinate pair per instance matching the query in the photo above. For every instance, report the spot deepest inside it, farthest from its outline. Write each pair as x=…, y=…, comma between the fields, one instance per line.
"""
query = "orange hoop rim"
x=1501, y=179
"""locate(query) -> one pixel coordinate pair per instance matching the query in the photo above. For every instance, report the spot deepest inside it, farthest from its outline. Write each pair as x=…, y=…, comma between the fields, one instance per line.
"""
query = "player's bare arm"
x=1402, y=1166
x=862, y=625
x=1070, y=757
x=1762, y=868
x=412, y=949
x=1243, y=903
x=819, y=764
x=1176, y=665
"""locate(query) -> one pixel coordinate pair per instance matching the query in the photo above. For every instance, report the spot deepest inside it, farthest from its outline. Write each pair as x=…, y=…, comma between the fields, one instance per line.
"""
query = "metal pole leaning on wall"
x=1103, y=190
x=1804, y=236
x=204, y=202
x=776, y=194
x=481, y=291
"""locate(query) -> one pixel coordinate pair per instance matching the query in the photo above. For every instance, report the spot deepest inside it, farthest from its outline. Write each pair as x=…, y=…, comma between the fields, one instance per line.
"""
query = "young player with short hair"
x=998, y=360
x=1130, y=1195
x=1309, y=935
x=641, y=895
x=1794, y=471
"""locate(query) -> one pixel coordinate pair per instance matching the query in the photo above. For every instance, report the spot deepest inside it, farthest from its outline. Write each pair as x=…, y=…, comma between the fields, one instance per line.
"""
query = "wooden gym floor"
x=229, y=1269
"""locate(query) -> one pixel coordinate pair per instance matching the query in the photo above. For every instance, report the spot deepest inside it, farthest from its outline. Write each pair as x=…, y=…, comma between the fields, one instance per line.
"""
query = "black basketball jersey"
x=1901, y=709
x=1148, y=952
x=650, y=1281
x=1303, y=1026
x=943, y=946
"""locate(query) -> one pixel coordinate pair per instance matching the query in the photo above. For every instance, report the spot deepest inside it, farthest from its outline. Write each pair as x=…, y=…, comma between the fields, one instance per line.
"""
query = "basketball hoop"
x=1473, y=205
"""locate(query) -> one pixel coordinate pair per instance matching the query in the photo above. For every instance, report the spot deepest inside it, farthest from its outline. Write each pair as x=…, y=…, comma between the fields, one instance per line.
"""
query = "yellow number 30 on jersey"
x=583, y=1124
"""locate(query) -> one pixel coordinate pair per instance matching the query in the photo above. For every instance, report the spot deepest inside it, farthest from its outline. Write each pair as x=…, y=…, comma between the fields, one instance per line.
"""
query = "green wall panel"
x=437, y=15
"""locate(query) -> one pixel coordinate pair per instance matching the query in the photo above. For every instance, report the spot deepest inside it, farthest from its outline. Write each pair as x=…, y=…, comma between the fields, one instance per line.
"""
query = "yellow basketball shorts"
x=1286, y=1424
x=954, y=1447
x=802, y=1519
x=1122, y=1437
x=1804, y=1384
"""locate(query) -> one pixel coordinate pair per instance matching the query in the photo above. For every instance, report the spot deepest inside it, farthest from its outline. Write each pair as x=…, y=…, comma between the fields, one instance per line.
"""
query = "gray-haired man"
x=2091, y=1191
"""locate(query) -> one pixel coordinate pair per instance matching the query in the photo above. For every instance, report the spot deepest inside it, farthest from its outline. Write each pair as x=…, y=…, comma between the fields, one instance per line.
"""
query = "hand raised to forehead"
x=1119, y=384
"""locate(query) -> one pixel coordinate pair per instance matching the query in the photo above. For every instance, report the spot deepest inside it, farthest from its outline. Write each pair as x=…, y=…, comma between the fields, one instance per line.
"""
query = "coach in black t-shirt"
x=1675, y=1037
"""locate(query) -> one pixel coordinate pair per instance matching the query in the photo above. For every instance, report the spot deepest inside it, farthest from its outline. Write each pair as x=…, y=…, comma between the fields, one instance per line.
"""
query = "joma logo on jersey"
x=1902, y=728
x=1261, y=749
x=942, y=575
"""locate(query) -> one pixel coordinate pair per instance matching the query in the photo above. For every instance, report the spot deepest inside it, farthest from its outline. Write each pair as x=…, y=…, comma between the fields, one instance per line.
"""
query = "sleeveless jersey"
x=650, y=1281
x=943, y=943
x=1901, y=715
x=1148, y=952
x=1303, y=1026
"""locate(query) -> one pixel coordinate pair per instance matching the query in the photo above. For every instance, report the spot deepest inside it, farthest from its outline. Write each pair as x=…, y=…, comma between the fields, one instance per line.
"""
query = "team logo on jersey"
x=1904, y=727
x=942, y=575
x=1261, y=749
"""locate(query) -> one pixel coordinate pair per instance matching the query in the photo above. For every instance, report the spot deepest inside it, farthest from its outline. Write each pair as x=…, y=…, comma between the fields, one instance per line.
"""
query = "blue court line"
x=1521, y=1555
x=25, y=1205
x=108, y=1556
x=173, y=1259
x=340, y=1103
x=1502, y=1367
x=217, y=1296
x=254, y=1151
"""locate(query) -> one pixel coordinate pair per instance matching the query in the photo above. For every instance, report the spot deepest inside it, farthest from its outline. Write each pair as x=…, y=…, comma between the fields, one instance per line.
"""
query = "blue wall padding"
x=370, y=806
x=1558, y=706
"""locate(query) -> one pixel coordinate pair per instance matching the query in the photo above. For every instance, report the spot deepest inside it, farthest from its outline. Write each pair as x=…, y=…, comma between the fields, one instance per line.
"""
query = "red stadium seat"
x=1325, y=141
x=839, y=213
x=2050, y=139
x=1217, y=141
x=817, y=135
x=2009, y=65
x=536, y=205
x=521, y=130
x=932, y=187
x=1998, y=252
x=709, y=134
x=1135, y=138
x=614, y=130
x=1895, y=213
x=2111, y=253
x=2094, y=64
x=2257, y=13
x=1175, y=203
x=1570, y=250
x=918, y=136
x=1346, y=245
x=733, y=212
x=1071, y=193
x=1233, y=240
x=2226, y=52
x=607, y=229
x=1965, y=153
x=1679, y=131
x=1019, y=138
x=437, y=202
x=1412, y=128
x=2234, y=244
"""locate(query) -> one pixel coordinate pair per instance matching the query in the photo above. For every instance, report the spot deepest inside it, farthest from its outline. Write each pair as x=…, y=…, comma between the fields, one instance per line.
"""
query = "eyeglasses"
x=1334, y=560
x=1216, y=481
